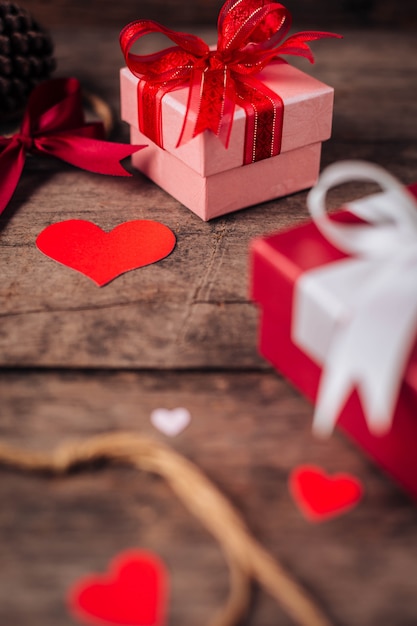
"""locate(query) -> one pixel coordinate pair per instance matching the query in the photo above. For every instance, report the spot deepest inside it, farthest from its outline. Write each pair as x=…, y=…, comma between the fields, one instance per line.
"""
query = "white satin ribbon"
x=357, y=318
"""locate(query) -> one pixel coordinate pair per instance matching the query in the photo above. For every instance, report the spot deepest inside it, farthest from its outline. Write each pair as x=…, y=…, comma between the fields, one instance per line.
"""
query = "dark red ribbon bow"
x=250, y=35
x=53, y=124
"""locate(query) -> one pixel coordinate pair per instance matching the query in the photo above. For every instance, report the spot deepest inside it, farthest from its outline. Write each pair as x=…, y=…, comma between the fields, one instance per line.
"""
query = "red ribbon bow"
x=250, y=35
x=54, y=124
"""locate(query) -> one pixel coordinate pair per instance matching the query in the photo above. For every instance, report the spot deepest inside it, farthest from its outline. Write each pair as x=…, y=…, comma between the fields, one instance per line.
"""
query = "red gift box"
x=278, y=263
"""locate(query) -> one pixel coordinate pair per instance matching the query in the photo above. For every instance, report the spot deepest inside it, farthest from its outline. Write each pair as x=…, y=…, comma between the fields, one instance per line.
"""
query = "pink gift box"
x=278, y=262
x=210, y=179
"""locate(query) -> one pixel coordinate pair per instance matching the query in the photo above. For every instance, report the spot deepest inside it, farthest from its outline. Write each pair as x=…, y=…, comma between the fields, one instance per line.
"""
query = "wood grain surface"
x=319, y=14
x=77, y=360
x=248, y=431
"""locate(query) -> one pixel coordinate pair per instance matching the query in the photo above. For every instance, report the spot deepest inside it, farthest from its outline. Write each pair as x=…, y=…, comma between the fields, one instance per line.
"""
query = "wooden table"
x=78, y=360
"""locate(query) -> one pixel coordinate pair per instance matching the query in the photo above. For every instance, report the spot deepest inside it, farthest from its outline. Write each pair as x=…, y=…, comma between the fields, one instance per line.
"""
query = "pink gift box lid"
x=308, y=109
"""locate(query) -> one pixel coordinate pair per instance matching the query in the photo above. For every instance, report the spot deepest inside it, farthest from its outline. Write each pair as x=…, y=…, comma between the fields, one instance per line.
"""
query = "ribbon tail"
x=93, y=155
x=363, y=355
x=12, y=160
x=297, y=46
x=210, y=105
x=192, y=120
x=384, y=355
x=229, y=102
x=336, y=384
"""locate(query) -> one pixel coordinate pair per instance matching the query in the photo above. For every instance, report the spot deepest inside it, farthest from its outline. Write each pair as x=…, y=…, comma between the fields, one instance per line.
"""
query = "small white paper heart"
x=171, y=422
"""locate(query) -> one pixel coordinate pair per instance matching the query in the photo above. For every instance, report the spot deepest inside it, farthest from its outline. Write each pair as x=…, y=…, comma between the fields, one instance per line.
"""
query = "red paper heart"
x=133, y=593
x=102, y=256
x=320, y=496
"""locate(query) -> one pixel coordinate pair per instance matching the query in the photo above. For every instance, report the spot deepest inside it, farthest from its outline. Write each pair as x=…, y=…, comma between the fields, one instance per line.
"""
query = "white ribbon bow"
x=358, y=317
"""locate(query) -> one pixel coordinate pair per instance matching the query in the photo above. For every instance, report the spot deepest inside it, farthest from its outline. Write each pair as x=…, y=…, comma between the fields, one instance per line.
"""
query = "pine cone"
x=26, y=58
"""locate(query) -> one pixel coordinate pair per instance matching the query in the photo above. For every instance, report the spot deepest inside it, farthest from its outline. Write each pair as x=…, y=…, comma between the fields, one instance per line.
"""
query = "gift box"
x=341, y=325
x=264, y=141
x=209, y=178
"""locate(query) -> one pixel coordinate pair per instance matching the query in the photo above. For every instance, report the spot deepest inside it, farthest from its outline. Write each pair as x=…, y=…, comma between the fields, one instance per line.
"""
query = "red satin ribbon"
x=250, y=33
x=53, y=124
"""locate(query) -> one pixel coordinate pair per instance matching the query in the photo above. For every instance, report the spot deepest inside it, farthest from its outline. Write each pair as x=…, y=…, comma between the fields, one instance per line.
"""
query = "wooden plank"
x=316, y=15
x=374, y=77
x=189, y=310
x=248, y=431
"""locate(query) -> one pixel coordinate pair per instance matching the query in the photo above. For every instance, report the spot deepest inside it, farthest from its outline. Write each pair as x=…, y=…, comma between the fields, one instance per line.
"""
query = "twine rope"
x=247, y=560
x=101, y=109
